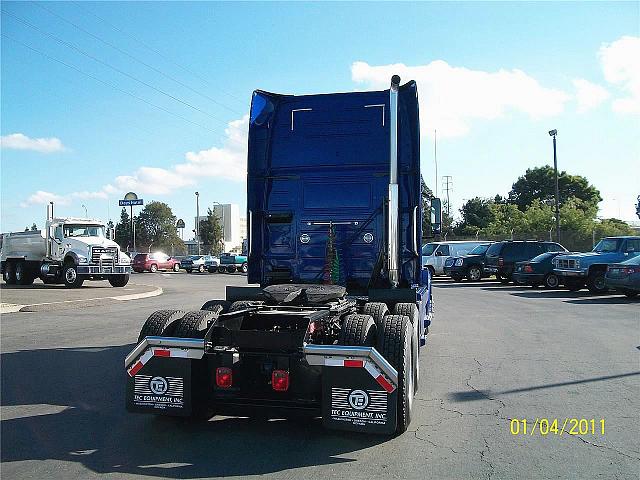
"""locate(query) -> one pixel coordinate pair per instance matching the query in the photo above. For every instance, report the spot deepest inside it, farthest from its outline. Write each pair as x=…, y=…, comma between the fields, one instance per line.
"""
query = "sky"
x=102, y=98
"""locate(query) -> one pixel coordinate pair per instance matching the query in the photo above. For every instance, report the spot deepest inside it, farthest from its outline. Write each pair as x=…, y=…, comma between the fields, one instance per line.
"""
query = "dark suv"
x=501, y=257
x=469, y=265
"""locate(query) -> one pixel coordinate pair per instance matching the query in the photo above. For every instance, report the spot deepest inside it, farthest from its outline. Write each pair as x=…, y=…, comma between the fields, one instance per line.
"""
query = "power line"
x=88, y=55
x=157, y=52
x=73, y=67
x=136, y=59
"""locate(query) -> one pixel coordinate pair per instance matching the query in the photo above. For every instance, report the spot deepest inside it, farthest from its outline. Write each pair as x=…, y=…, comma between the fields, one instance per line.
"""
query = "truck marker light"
x=354, y=363
x=224, y=377
x=280, y=380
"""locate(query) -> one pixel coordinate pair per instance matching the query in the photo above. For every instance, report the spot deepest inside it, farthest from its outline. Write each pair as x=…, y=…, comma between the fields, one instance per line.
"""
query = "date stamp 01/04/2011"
x=555, y=426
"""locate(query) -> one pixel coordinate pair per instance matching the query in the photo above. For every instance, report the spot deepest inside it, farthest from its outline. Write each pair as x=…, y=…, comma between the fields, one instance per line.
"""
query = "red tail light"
x=280, y=380
x=630, y=270
x=224, y=377
x=500, y=262
x=528, y=268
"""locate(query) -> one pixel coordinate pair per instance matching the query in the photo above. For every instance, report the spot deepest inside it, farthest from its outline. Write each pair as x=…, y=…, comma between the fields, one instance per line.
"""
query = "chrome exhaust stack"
x=392, y=233
x=47, y=228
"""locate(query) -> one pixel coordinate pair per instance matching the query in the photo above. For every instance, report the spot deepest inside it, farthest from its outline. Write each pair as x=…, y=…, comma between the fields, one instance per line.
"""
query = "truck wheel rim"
x=70, y=275
x=599, y=283
x=475, y=274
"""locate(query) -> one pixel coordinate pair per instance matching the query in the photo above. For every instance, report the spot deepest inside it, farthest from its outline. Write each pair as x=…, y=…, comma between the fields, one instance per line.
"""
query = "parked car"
x=624, y=277
x=470, y=265
x=435, y=254
x=501, y=257
x=152, y=262
x=196, y=262
x=589, y=269
x=538, y=271
x=212, y=264
x=230, y=263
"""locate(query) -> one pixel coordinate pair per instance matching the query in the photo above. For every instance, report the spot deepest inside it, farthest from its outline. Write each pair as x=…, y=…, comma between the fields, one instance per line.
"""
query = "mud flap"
x=164, y=376
x=359, y=388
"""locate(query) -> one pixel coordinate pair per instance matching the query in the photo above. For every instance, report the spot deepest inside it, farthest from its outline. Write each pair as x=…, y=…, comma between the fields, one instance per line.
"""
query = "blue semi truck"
x=336, y=325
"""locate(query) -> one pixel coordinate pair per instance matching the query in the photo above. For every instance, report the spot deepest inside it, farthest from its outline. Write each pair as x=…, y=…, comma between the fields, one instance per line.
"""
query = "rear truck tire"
x=358, y=330
x=194, y=324
x=200, y=268
x=595, y=282
x=176, y=267
x=630, y=293
x=119, y=280
x=377, y=310
x=160, y=323
x=153, y=268
x=394, y=342
x=411, y=310
x=551, y=280
x=244, y=304
x=9, y=274
x=23, y=275
x=231, y=269
x=212, y=269
x=474, y=273
x=244, y=268
x=71, y=277
x=218, y=306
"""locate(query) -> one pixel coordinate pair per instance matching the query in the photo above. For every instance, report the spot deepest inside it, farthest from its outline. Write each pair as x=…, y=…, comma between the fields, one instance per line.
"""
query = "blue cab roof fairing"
x=315, y=159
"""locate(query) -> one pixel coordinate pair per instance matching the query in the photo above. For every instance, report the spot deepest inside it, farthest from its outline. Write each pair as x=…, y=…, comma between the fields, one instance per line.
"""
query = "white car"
x=434, y=254
x=197, y=263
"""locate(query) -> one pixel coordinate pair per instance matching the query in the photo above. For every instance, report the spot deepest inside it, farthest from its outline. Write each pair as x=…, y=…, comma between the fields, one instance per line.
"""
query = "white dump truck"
x=68, y=250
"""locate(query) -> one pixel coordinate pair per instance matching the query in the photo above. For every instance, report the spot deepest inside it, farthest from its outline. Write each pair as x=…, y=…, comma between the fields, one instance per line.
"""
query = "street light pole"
x=198, y=221
x=553, y=133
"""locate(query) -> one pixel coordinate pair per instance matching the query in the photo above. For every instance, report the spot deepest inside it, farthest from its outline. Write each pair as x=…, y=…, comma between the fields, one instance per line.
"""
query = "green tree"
x=156, y=228
x=609, y=227
x=211, y=233
x=476, y=214
x=539, y=183
x=123, y=230
x=34, y=228
x=506, y=220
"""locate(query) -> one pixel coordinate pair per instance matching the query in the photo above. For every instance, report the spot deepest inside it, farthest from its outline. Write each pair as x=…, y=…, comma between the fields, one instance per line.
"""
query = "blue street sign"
x=128, y=203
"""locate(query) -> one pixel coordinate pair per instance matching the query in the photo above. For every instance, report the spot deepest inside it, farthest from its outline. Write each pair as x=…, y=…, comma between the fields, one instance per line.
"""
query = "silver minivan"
x=434, y=254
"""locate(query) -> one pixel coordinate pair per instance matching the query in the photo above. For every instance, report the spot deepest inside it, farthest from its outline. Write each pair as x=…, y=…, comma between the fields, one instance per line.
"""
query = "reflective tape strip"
x=336, y=361
x=384, y=383
x=166, y=353
x=375, y=372
x=333, y=362
x=353, y=363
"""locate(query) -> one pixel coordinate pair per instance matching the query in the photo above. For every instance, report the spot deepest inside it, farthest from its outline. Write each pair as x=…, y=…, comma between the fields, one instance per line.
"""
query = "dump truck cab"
x=339, y=307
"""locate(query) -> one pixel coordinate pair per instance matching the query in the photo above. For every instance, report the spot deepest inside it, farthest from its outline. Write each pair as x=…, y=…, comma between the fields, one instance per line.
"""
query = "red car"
x=152, y=262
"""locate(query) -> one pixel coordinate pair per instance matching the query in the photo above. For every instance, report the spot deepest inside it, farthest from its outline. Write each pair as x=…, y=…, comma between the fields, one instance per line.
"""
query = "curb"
x=88, y=302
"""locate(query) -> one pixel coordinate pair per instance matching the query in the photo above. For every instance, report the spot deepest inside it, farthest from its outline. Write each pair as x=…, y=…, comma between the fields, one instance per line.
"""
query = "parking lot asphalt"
x=494, y=354
x=41, y=297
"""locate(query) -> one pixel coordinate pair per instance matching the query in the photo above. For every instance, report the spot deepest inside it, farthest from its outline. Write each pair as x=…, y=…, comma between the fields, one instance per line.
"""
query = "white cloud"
x=589, y=95
x=228, y=162
x=452, y=97
x=19, y=141
x=620, y=63
x=42, y=198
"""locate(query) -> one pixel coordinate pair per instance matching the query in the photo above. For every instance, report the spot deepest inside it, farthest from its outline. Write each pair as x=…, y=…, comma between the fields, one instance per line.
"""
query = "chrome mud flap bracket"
x=359, y=388
x=165, y=376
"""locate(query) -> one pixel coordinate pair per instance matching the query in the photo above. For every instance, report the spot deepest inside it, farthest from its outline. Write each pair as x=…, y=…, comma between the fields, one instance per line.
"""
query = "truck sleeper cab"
x=343, y=307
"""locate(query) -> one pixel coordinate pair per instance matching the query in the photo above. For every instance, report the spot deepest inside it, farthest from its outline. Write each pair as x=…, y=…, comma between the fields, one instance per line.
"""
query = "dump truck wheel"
x=9, y=274
x=411, y=311
x=243, y=305
x=119, y=280
x=217, y=306
x=160, y=323
x=194, y=324
x=394, y=342
x=358, y=330
x=71, y=277
x=377, y=310
x=23, y=275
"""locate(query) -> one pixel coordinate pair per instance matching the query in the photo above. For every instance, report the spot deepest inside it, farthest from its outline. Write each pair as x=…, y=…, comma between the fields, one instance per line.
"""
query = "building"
x=234, y=228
